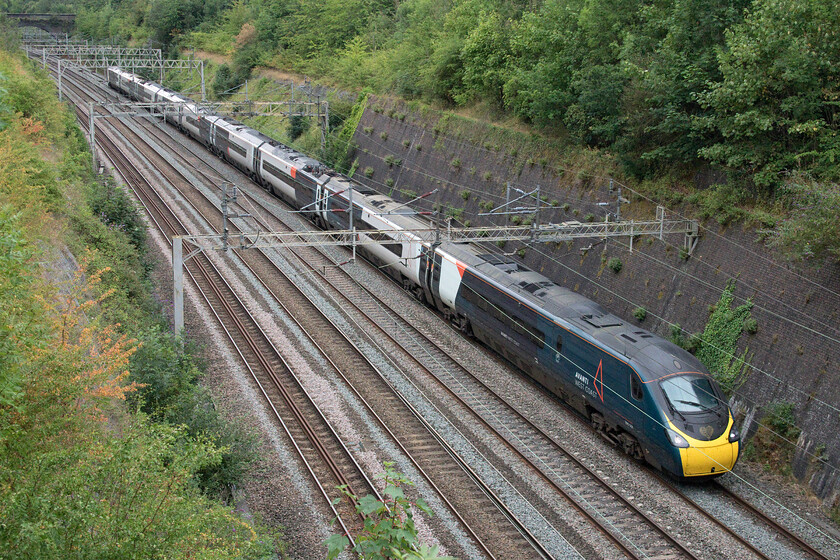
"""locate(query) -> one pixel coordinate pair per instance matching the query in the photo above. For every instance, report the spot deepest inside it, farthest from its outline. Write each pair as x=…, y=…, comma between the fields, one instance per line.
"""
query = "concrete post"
x=92, y=131
x=178, y=283
x=203, y=91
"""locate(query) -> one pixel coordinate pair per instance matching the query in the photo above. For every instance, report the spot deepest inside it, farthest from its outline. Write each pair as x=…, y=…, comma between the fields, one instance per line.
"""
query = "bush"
x=615, y=264
x=368, y=172
x=298, y=125
x=640, y=313
x=456, y=163
x=465, y=195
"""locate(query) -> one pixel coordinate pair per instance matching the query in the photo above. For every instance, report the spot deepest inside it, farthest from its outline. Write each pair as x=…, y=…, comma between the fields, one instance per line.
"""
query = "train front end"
x=701, y=432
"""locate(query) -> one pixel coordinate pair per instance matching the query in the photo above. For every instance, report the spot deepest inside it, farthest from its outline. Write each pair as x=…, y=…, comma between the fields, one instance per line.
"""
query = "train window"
x=271, y=169
x=238, y=149
x=559, y=344
x=635, y=387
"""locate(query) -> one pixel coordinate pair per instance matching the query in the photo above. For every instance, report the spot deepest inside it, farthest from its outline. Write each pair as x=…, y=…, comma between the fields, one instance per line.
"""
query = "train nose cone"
x=699, y=460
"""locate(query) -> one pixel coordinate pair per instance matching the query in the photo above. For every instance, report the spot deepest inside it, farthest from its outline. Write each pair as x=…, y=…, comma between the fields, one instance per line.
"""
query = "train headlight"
x=676, y=439
x=734, y=434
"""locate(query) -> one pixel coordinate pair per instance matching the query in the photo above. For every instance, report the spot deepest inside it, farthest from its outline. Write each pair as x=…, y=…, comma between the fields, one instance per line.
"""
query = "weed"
x=368, y=172
x=465, y=195
x=640, y=313
x=615, y=264
x=383, y=135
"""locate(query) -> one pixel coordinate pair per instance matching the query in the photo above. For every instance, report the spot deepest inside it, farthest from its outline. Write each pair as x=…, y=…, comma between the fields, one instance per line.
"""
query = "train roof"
x=656, y=355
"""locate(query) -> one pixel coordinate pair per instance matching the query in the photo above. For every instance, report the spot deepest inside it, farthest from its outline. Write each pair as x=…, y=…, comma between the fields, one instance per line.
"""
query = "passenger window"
x=559, y=344
x=635, y=387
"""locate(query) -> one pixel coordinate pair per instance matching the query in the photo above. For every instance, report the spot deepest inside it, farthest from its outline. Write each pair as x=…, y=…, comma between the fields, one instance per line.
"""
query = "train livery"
x=643, y=393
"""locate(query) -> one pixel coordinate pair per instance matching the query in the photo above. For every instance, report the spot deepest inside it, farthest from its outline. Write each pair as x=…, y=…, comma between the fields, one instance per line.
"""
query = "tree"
x=776, y=107
x=813, y=230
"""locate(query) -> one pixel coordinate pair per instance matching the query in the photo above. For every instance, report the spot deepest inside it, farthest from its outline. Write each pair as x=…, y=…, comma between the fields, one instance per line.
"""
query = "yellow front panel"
x=702, y=456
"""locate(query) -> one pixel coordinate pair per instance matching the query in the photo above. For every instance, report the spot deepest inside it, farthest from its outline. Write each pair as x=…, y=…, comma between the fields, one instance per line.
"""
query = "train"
x=651, y=398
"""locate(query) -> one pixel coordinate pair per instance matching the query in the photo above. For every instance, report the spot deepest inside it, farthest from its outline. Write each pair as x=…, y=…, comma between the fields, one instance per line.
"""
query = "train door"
x=255, y=165
x=427, y=268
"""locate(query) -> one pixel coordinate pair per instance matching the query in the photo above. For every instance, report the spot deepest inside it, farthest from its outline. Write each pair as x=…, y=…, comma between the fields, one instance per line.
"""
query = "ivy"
x=720, y=340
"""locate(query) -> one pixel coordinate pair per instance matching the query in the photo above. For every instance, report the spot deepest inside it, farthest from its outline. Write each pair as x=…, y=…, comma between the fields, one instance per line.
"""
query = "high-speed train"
x=648, y=396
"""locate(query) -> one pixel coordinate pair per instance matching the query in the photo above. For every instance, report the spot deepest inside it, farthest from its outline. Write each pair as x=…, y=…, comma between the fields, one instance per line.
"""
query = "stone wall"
x=797, y=345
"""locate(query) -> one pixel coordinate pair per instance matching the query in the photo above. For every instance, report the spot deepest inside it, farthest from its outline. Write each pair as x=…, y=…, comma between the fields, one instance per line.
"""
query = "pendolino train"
x=643, y=393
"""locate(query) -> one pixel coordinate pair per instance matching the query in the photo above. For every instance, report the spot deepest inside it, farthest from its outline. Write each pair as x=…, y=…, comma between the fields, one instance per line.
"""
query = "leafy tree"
x=484, y=55
x=776, y=106
x=672, y=59
x=813, y=229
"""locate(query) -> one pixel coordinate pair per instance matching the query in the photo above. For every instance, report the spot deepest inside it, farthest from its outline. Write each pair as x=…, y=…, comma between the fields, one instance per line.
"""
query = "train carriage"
x=641, y=392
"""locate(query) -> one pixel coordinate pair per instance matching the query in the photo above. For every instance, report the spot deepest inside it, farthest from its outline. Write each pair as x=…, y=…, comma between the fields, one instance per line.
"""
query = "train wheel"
x=597, y=421
x=631, y=446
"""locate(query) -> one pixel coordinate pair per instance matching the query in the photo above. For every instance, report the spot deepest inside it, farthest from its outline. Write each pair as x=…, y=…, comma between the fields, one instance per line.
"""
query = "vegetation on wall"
x=718, y=344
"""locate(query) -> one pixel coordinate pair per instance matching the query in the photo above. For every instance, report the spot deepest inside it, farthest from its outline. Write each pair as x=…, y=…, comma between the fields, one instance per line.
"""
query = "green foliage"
x=776, y=106
x=368, y=172
x=340, y=148
x=298, y=125
x=640, y=313
x=80, y=475
x=812, y=231
x=774, y=443
x=16, y=310
x=389, y=530
x=720, y=340
x=169, y=393
x=465, y=195
x=615, y=264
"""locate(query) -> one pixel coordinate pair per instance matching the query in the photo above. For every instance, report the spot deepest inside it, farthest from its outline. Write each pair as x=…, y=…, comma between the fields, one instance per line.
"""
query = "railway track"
x=633, y=532
x=418, y=448
x=326, y=457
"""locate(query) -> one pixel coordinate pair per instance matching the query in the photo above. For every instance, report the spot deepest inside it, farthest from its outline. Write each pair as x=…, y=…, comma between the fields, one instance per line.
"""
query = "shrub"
x=456, y=163
x=383, y=135
x=615, y=264
x=521, y=253
x=406, y=143
x=589, y=217
x=465, y=195
x=751, y=325
x=368, y=130
x=487, y=175
x=368, y=172
x=389, y=159
x=640, y=313
x=389, y=182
